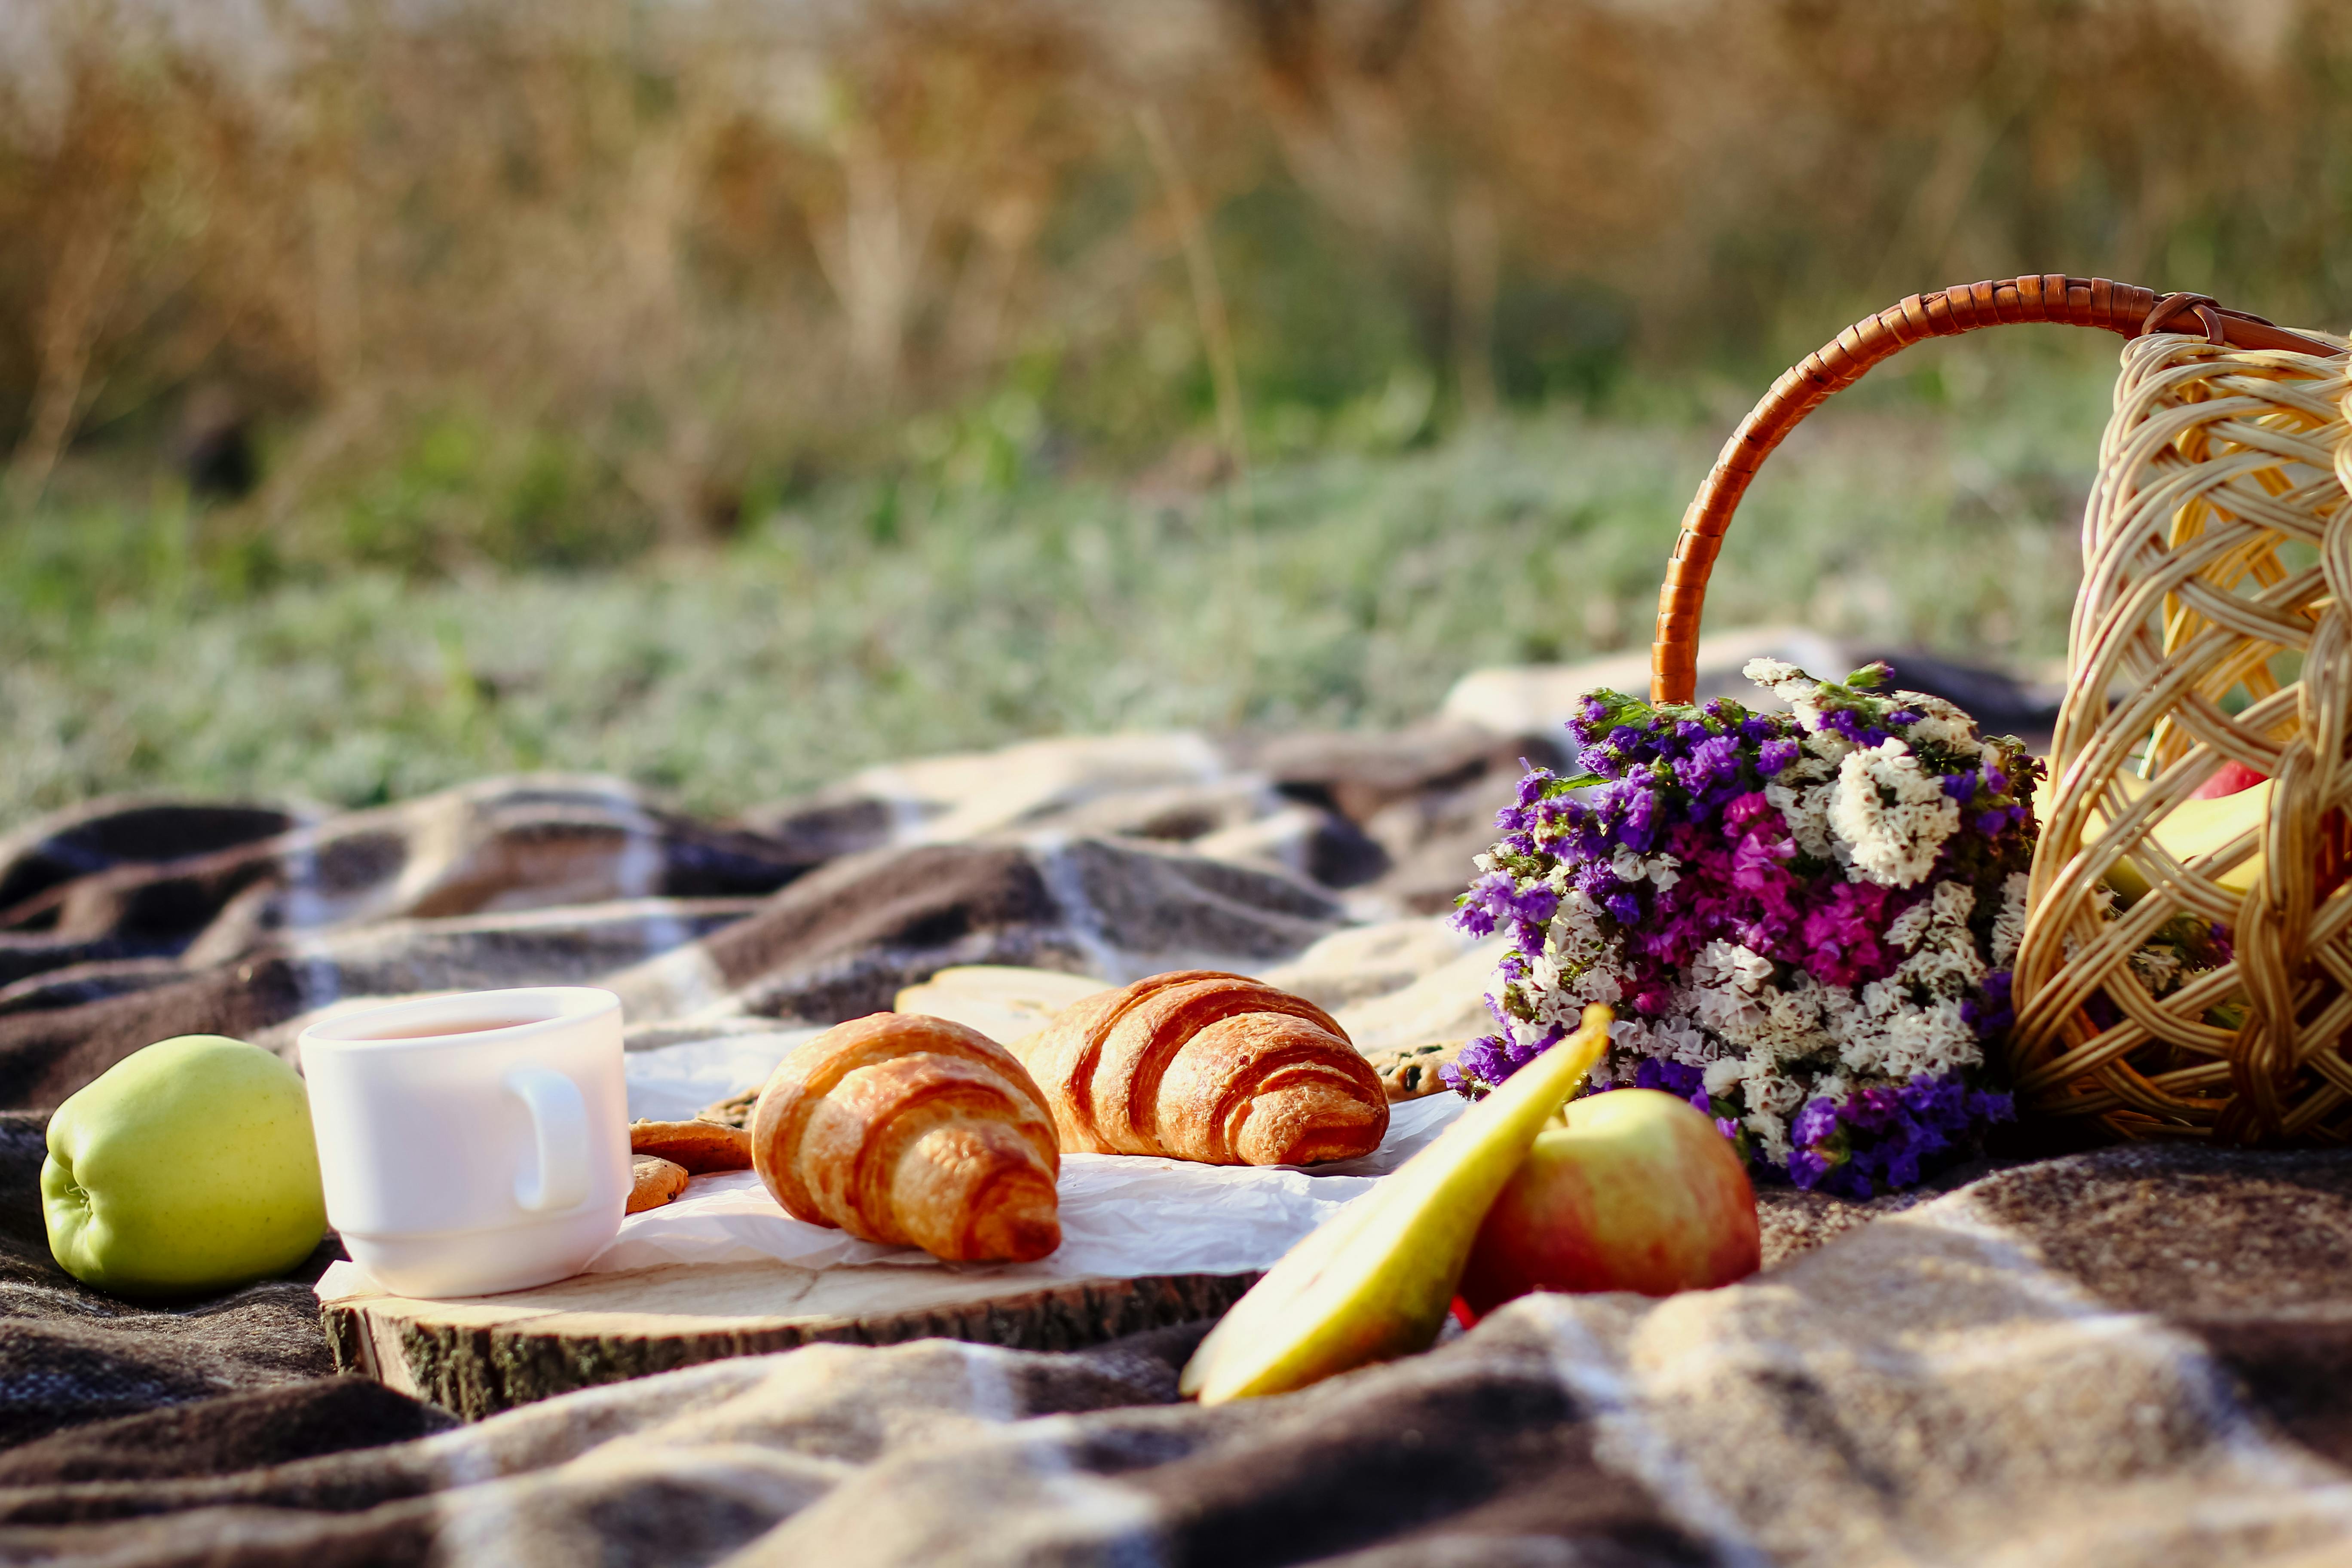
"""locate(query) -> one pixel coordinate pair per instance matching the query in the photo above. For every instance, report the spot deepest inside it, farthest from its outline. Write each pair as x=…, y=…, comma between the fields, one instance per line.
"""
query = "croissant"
x=912, y=1131
x=1196, y=1065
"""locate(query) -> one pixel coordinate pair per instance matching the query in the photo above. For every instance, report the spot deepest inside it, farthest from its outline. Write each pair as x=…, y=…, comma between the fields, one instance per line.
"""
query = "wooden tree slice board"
x=487, y=1353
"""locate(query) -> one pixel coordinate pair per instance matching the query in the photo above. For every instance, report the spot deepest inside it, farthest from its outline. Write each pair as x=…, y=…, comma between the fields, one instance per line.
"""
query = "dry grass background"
x=508, y=287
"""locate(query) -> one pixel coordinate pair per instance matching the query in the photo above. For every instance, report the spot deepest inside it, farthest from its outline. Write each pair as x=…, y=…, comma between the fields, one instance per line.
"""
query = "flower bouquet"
x=1804, y=919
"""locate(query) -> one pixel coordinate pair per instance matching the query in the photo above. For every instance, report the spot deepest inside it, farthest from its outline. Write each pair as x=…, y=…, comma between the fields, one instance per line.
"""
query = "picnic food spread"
x=1198, y=1065
x=914, y=1130
x=1993, y=1364
x=1777, y=939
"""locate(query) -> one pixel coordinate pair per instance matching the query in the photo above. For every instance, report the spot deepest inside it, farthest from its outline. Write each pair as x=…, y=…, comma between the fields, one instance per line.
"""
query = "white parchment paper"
x=1122, y=1214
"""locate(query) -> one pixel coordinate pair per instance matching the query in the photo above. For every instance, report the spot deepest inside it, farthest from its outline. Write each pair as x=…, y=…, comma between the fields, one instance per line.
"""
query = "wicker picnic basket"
x=2213, y=625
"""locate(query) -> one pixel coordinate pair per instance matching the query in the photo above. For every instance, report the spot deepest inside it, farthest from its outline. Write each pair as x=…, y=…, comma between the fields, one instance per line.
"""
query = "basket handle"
x=2122, y=308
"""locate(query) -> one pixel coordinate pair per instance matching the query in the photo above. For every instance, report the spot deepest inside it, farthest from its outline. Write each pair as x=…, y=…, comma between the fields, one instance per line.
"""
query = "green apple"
x=1375, y=1280
x=184, y=1169
x=1638, y=1192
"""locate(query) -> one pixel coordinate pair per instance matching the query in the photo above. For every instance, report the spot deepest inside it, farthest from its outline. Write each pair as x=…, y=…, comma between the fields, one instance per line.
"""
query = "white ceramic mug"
x=472, y=1143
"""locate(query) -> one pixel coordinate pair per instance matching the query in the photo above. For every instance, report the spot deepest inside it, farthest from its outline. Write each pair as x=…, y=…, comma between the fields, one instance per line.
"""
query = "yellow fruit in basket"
x=2192, y=828
x=1376, y=1280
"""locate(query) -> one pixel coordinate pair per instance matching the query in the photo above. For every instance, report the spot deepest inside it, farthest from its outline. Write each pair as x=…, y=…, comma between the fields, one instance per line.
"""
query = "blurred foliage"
x=644, y=261
x=730, y=392
x=923, y=612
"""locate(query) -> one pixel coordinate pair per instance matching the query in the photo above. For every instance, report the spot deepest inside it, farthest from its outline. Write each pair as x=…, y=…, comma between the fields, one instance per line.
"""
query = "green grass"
x=138, y=652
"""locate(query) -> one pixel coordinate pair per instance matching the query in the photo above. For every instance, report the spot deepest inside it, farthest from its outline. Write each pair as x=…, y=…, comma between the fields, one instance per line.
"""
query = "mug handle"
x=559, y=1119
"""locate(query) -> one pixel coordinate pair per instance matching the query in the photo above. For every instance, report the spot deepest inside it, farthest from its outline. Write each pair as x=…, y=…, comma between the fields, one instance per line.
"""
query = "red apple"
x=1638, y=1193
x=2229, y=778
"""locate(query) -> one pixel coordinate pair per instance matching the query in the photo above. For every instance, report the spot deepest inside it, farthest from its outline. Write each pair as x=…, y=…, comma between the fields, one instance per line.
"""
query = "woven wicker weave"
x=2214, y=624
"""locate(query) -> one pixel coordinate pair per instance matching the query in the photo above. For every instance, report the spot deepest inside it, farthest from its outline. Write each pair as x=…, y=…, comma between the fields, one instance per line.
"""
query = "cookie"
x=735, y=1110
x=700, y=1146
x=656, y=1182
x=1409, y=1072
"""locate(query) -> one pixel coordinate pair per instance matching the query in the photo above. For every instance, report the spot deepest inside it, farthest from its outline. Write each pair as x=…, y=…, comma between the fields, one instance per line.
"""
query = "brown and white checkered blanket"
x=2138, y=1356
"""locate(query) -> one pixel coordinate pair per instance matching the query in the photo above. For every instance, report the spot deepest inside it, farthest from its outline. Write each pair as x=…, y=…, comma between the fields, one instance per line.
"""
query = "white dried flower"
x=1893, y=811
x=1770, y=1090
x=1827, y=744
x=1905, y=930
x=2009, y=926
x=1932, y=1039
x=1598, y=983
x=1806, y=811
x=1944, y=959
x=1942, y=724
x=2155, y=968
x=1945, y=968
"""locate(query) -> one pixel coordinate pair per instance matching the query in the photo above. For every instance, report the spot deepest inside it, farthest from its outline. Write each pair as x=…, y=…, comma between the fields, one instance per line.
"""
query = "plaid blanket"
x=2127, y=1356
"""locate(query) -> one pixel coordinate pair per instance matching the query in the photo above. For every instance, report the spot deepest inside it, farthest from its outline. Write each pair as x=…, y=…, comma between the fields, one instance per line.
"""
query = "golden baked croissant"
x=1196, y=1065
x=912, y=1131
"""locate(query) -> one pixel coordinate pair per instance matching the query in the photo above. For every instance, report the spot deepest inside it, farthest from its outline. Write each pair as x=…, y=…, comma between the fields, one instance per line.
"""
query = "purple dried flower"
x=1678, y=1079
x=1879, y=1138
x=1497, y=897
x=1992, y=822
x=1989, y=1012
x=1712, y=762
x=1476, y=913
x=1638, y=828
x=1482, y=1060
x=1850, y=725
x=1816, y=1121
x=1775, y=754
x=1521, y=1052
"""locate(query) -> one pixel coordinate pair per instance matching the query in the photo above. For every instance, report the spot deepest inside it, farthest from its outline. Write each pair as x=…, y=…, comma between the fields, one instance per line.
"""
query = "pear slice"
x=1375, y=1282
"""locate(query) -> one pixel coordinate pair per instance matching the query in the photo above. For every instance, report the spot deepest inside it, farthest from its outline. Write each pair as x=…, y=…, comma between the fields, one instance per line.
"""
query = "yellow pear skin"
x=2192, y=828
x=1375, y=1282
